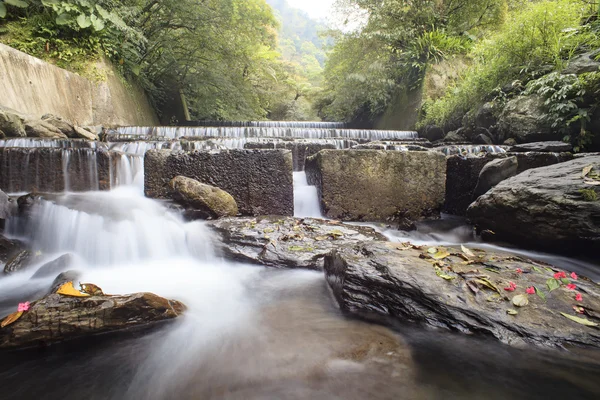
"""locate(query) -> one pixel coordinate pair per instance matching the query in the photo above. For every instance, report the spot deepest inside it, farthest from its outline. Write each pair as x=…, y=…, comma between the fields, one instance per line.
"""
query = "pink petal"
x=519, y=271
x=579, y=297
x=570, y=286
x=531, y=290
x=574, y=276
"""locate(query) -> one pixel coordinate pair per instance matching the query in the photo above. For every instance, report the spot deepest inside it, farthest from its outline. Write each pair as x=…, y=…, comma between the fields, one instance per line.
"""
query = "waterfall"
x=471, y=149
x=306, y=198
x=273, y=124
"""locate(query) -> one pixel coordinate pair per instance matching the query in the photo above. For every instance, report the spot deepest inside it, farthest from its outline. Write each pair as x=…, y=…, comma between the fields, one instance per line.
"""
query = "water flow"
x=306, y=198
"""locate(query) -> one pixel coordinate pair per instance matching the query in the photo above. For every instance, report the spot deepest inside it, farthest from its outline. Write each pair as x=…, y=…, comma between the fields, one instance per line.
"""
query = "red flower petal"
x=509, y=289
x=531, y=290
x=560, y=275
x=579, y=297
x=574, y=276
x=570, y=286
x=519, y=271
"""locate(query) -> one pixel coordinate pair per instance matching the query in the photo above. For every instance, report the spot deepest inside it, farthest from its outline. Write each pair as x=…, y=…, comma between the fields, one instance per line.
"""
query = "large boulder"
x=432, y=133
x=583, y=63
x=372, y=185
x=209, y=200
x=550, y=207
x=463, y=174
x=11, y=124
x=83, y=133
x=43, y=129
x=280, y=242
x=55, y=267
x=9, y=248
x=523, y=119
x=464, y=291
x=57, y=318
x=8, y=206
x=495, y=172
x=19, y=262
x=62, y=125
x=260, y=181
x=543, y=147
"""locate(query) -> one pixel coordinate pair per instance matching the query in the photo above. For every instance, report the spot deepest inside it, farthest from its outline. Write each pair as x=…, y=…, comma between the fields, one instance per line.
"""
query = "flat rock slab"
x=260, y=181
x=544, y=147
x=286, y=242
x=463, y=293
x=376, y=185
x=58, y=318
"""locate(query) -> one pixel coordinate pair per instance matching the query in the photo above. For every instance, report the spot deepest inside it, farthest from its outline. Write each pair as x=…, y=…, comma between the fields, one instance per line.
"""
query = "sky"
x=319, y=9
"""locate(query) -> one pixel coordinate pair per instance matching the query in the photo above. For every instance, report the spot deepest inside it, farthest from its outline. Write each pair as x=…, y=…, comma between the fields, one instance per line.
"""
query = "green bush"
x=541, y=36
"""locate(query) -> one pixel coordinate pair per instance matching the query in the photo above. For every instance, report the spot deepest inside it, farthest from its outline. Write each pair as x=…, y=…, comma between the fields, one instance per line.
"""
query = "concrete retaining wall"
x=34, y=87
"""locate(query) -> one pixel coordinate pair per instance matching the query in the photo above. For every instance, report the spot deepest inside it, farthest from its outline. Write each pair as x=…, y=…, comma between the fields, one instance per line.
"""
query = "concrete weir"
x=261, y=181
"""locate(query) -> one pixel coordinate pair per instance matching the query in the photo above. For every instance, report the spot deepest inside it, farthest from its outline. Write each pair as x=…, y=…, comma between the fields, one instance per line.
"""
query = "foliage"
x=538, y=38
x=589, y=194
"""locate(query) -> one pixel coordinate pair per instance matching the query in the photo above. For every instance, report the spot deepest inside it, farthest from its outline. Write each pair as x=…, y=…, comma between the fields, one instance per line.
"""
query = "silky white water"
x=306, y=198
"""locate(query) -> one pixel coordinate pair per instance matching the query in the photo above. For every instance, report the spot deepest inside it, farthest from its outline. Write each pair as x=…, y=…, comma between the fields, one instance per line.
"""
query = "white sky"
x=319, y=9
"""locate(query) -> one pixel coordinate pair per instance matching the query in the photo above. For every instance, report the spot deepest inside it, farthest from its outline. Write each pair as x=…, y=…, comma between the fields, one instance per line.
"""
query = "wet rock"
x=495, y=172
x=463, y=174
x=286, y=242
x=194, y=195
x=19, y=262
x=523, y=119
x=11, y=124
x=455, y=137
x=9, y=248
x=372, y=185
x=483, y=139
x=544, y=207
x=61, y=279
x=8, y=207
x=300, y=149
x=405, y=282
x=433, y=133
x=55, y=267
x=486, y=116
x=57, y=318
x=510, y=142
x=43, y=129
x=584, y=63
x=543, y=147
x=260, y=181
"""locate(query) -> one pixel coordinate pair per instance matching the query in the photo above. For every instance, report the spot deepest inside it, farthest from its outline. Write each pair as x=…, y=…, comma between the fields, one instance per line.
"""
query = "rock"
x=215, y=202
x=544, y=208
x=510, y=142
x=11, y=124
x=61, y=279
x=55, y=267
x=495, y=172
x=57, y=318
x=523, y=119
x=43, y=129
x=486, y=116
x=301, y=149
x=400, y=281
x=260, y=181
x=543, y=147
x=584, y=63
x=463, y=174
x=372, y=185
x=64, y=126
x=8, y=207
x=19, y=262
x=394, y=146
x=285, y=242
x=9, y=248
x=433, y=133
x=82, y=133
x=483, y=139
x=455, y=137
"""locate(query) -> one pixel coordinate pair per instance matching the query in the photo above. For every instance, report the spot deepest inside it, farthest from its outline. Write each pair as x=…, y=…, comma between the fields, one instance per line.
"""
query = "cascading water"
x=306, y=198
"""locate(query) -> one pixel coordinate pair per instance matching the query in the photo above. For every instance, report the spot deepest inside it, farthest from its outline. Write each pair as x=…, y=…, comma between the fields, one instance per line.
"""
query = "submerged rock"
x=374, y=185
x=286, y=242
x=551, y=207
x=495, y=172
x=54, y=267
x=19, y=262
x=57, y=318
x=465, y=292
x=213, y=201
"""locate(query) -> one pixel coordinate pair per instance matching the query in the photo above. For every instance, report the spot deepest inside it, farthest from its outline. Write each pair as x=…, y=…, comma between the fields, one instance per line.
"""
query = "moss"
x=589, y=194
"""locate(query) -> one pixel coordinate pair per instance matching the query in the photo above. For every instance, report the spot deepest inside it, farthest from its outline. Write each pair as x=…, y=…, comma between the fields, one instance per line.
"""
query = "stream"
x=251, y=332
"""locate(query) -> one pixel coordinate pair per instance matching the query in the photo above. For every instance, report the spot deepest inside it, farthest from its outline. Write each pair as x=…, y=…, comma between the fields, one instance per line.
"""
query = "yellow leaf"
x=466, y=251
x=582, y=321
x=586, y=171
x=440, y=255
x=11, y=319
x=69, y=290
x=487, y=283
x=520, y=300
x=432, y=250
x=91, y=289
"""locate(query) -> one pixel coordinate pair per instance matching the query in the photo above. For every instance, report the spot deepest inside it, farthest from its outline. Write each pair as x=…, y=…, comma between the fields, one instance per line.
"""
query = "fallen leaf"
x=520, y=300
x=582, y=321
x=552, y=284
x=540, y=294
x=466, y=251
x=323, y=238
x=432, y=250
x=487, y=283
x=336, y=234
x=586, y=171
x=473, y=287
x=11, y=319
x=269, y=230
x=91, y=289
x=536, y=269
x=69, y=290
x=441, y=274
x=510, y=311
x=592, y=182
x=440, y=255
